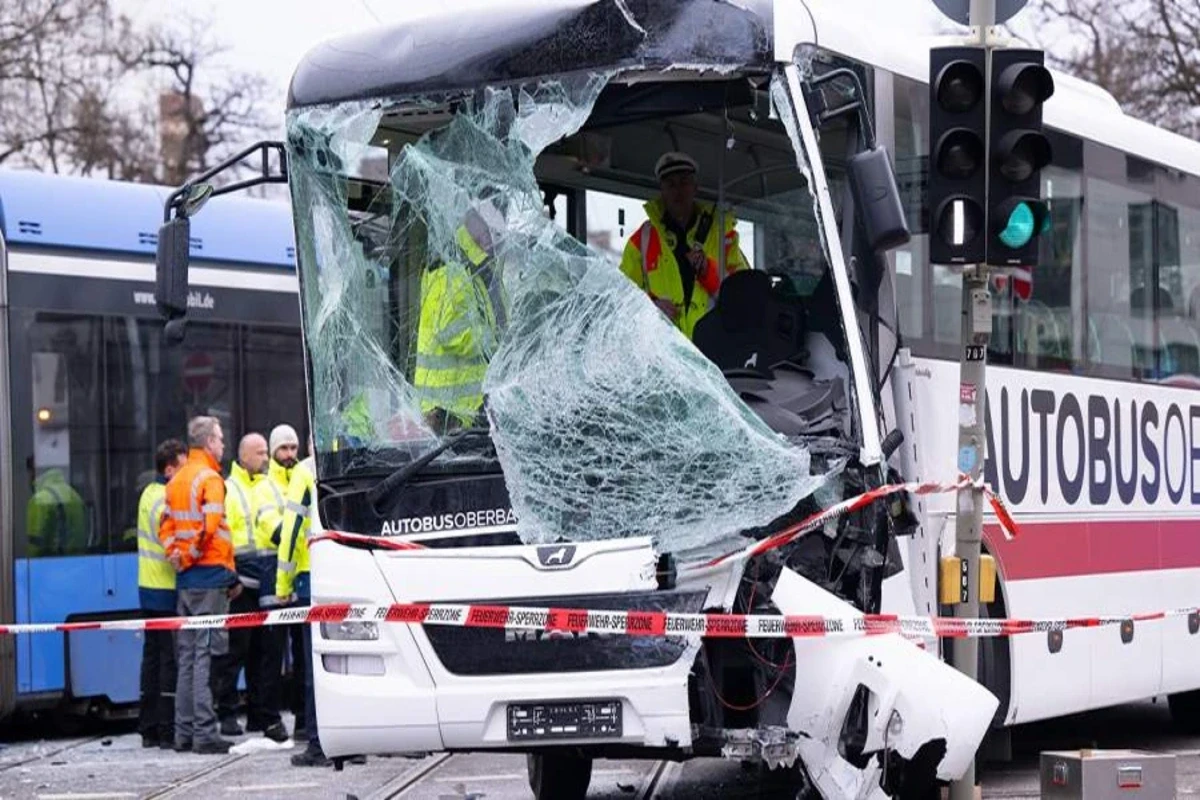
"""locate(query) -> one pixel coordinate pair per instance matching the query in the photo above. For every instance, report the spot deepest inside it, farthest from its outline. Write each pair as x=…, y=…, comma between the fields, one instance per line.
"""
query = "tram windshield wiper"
x=405, y=473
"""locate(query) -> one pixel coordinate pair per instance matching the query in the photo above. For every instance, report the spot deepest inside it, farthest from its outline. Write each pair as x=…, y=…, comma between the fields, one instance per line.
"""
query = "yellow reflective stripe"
x=263, y=552
x=287, y=566
x=244, y=550
x=143, y=554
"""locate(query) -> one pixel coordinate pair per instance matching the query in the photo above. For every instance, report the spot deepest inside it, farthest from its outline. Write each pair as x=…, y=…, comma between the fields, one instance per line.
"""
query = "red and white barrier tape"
x=1007, y=525
x=631, y=623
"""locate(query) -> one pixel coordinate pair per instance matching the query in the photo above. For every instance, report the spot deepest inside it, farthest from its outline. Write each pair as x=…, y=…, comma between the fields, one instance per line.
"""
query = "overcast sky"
x=271, y=36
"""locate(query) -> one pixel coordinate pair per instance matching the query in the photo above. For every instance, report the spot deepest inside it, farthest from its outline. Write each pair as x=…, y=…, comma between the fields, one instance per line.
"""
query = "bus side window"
x=1049, y=327
x=1120, y=251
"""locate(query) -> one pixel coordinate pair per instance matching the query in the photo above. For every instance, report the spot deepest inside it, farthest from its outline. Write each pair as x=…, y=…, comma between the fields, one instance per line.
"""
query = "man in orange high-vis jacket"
x=675, y=256
x=197, y=541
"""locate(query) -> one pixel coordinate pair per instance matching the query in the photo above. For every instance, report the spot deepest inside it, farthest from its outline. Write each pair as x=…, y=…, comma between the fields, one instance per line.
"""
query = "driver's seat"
x=752, y=326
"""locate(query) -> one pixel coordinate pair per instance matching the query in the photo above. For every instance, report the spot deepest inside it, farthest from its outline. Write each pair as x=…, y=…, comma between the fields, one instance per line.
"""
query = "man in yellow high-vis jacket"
x=270, y=504
x=462, y=314
x=293, y=582
x=675, y=255
x=156, y=595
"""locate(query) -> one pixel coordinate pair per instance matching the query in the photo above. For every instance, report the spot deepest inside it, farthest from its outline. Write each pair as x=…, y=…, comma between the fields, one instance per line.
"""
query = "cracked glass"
x=450, y=320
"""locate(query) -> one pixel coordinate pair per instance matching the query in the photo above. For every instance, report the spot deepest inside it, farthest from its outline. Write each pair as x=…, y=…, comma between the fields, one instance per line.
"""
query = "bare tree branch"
x=68, y=69
x=1146, y=53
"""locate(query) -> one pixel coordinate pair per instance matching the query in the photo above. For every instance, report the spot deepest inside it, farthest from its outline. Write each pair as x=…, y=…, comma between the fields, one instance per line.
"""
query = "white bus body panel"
x=416, y=704
x=1074, y=557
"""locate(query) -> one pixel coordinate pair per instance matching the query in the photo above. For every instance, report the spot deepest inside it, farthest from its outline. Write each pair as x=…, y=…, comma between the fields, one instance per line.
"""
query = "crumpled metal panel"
x=512, y=40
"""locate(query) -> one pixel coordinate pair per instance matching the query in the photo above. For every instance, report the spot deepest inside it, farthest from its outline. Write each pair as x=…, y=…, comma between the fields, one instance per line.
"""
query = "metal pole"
x=972, y=391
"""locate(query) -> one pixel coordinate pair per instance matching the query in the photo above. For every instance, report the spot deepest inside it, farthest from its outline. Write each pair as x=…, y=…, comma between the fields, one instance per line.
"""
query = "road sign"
x=960, y=10
x=197, y=372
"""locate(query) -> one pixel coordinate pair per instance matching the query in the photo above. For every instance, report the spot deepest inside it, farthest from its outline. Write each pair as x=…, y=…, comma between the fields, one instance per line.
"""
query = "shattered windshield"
x=450, y=308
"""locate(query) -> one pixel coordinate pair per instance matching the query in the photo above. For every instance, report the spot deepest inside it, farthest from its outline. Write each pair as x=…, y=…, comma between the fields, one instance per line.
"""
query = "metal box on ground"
x=1107, y=774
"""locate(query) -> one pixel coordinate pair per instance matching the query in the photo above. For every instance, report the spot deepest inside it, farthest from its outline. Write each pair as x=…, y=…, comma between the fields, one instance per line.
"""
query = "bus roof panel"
x=512, y=40
x=50, y=210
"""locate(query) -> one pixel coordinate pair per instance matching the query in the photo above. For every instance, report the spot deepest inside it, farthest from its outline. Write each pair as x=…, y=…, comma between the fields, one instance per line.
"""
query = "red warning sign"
x=198, y=372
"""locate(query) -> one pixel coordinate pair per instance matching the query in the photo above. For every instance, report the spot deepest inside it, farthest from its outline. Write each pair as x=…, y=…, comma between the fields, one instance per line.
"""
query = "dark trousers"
x=296, y=641
x=156, y=711
x=310, y=704
x=256, y=651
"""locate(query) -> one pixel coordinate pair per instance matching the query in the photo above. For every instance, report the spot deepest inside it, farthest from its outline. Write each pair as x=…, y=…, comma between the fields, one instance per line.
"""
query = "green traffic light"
x=1019, y=229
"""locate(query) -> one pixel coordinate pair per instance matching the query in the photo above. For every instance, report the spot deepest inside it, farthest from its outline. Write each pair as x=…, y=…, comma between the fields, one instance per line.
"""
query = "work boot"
x=183, y=747
x=218, y=746
x=230, y=727
x=311, y=757
x=276, y=733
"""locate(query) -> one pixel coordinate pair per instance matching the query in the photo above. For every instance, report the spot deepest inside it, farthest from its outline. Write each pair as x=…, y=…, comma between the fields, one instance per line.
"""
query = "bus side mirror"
x=877, y=200
x=172, y=257
x=171, y=260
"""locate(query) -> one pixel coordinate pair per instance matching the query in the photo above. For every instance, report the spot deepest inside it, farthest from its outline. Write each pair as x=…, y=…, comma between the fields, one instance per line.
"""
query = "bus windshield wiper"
x=405, y=473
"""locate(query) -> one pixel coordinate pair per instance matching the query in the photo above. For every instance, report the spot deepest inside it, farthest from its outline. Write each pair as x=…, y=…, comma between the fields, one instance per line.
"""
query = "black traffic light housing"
x=1019, y=86
x=958, y=155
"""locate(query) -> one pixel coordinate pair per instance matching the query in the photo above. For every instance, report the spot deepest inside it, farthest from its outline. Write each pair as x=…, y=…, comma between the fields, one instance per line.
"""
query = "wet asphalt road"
x=109, y=764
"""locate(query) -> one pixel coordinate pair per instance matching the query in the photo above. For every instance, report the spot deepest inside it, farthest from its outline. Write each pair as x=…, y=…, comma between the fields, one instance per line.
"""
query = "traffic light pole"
x=976, y=332
x=972, y=391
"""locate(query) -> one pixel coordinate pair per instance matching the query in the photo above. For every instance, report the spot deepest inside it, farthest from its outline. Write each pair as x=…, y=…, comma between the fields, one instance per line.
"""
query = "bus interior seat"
x=756, y=334
x=751, y=326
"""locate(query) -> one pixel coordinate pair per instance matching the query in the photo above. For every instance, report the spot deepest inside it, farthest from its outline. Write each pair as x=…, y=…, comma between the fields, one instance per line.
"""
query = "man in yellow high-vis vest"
x=294, y=584
x=462, y=315
x=269, y=506
x=675, y=256
x=156, y=595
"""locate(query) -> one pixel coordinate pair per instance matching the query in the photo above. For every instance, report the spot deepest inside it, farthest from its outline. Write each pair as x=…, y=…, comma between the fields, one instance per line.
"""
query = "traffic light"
x=1020, y=84
x=958, y=155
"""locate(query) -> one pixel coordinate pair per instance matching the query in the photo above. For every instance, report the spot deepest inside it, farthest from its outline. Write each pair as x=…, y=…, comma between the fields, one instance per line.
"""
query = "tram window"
x=274, y=384
x=152, y=391
x=64, y=468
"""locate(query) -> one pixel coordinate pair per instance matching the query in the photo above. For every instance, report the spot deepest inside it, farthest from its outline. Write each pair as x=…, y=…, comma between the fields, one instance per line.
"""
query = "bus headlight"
x=350, y=631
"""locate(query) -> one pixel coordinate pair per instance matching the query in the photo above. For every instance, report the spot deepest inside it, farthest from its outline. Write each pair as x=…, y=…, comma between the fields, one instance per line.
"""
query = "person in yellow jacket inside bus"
x=675, y=256
x=462, y=314
x=56, y=517
x=156, y=596
x=293, y=582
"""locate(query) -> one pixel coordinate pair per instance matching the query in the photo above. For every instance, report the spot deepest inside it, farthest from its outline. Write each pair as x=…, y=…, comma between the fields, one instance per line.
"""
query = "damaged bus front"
x=497, y=373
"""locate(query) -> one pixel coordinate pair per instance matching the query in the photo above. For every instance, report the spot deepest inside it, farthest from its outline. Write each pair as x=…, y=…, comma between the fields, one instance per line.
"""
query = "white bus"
x=485, y=383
